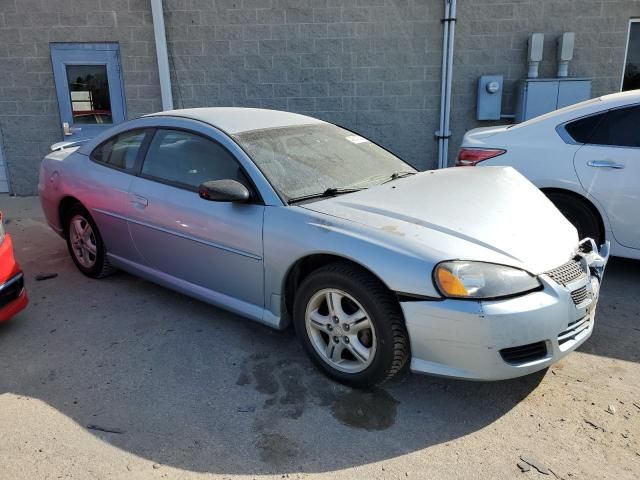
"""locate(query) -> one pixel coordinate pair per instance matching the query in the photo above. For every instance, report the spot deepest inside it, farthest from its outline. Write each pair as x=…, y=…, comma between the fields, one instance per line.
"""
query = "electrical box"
x=573, y=90
x=565, y=52
x=537, y=96
x=489, y=97
x=535, y=47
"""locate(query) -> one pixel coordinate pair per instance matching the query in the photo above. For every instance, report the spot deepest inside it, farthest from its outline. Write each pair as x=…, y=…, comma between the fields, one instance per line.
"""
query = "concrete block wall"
x=491, y=38
x=29, y=116
x=370, y=65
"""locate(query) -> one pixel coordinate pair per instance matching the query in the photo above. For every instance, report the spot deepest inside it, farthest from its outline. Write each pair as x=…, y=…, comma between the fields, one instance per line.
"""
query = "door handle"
x=138, y=200
x=604, y=164
x=67, y=130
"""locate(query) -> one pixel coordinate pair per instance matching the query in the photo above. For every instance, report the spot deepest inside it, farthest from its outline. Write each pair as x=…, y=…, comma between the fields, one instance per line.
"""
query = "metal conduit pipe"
x=157, y=13
x=448, y=38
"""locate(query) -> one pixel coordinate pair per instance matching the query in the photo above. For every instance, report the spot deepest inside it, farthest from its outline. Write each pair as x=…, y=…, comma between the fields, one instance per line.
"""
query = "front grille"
x=11, y=290
x=567, y=273
x=574, y=329
x=580, y=295
x=524, y=353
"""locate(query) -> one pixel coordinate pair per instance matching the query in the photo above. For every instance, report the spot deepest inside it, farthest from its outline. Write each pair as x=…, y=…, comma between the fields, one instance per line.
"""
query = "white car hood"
x=491, y=214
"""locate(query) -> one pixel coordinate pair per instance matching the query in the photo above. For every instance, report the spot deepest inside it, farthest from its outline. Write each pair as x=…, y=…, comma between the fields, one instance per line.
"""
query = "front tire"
x=85, y=244
x=351, y=325
x=579, y=214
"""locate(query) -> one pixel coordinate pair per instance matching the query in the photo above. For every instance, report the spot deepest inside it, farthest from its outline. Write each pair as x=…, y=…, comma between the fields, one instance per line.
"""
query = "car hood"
x=491, y=214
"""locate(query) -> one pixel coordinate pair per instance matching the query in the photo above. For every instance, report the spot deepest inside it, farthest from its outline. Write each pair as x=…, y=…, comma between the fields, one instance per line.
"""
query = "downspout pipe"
x=162, y=55
x=443, y=80
x=448, y=38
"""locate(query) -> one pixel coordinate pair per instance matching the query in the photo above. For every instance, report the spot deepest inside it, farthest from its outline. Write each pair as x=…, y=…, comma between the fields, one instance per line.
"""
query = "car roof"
x=630, y=96
x=235, y=120
x=588, y=107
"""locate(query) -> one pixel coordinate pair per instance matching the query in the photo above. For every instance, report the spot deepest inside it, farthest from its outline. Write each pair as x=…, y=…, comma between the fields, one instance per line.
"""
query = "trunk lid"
x=472, y=137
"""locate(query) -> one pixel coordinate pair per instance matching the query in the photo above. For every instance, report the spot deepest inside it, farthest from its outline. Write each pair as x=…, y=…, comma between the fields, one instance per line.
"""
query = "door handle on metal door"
x=67, y=130
x=138, y=200
x=604, y=164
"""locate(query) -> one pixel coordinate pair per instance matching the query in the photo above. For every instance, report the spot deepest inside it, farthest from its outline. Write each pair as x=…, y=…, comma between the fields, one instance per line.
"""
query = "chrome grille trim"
x=567, y=273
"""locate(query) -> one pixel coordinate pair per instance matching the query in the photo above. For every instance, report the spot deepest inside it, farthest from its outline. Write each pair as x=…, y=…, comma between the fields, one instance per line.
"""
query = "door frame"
x=626, y=50
x=60, y=75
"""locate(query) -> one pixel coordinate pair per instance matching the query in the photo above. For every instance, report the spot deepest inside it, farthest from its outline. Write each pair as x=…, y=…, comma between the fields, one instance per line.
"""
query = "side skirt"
x=217, y=299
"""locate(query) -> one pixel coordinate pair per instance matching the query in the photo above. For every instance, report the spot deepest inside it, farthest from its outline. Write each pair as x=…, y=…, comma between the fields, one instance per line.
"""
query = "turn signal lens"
x=450, y=284
x=470, y=157
x=481, y=280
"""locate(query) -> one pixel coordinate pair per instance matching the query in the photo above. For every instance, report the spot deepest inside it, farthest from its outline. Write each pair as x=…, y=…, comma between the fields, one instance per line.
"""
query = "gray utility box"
x=489, y=101
x=542, y=95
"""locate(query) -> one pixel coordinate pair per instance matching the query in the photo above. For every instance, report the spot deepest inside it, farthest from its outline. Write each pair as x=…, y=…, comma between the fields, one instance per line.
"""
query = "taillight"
x=470, y=157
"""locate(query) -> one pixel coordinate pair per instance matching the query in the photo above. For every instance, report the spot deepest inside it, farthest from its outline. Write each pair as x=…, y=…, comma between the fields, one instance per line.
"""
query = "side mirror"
x=224, y=191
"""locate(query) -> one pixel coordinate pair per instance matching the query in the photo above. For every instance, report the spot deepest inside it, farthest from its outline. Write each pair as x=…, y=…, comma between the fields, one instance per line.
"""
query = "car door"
x=608, y=167
x=212, y=245
x=104, y=182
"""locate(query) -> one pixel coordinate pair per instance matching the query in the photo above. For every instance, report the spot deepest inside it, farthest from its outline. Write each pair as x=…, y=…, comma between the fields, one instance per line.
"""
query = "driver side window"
x=187, y=160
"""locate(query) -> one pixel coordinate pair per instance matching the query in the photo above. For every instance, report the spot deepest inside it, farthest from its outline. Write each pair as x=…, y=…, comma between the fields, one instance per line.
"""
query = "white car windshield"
x=305, y=160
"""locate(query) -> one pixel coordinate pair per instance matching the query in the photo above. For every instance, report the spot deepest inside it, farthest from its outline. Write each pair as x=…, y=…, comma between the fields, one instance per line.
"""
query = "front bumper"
x=501, y=339
x=13, y=297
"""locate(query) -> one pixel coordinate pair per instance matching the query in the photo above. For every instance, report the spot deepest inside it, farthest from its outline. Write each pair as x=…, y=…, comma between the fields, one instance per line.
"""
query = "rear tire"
x=85, y=244
x=580, y=214
x=361, y=339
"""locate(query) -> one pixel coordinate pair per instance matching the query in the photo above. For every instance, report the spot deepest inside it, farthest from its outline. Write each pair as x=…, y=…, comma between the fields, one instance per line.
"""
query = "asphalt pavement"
x=120, y=378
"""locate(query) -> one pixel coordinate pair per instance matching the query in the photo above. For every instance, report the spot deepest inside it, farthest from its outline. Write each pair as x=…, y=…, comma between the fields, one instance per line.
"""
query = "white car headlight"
x=480, y=280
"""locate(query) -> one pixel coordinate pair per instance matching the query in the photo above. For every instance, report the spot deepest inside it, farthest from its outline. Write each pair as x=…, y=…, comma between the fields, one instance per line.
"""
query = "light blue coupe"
x=284, y=219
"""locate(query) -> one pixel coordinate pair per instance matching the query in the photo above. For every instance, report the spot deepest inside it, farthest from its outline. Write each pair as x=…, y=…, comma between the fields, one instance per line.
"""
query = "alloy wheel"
x=83, y=241
x=340, y=330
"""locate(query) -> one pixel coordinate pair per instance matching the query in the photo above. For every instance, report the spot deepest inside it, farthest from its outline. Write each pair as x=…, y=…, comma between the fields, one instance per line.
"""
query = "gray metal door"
x=89, y=88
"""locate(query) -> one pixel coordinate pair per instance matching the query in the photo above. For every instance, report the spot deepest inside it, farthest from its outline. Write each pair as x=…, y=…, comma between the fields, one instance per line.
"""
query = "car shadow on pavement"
x=617, y=327
x=184, y=384
x=187, y=385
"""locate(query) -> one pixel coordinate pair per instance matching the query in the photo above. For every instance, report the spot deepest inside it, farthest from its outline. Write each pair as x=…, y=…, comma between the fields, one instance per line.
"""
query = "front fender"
x=293, y=233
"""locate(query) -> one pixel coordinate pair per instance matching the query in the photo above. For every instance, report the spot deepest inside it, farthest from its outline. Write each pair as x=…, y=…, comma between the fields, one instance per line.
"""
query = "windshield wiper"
x=329, y=192
x=396, y=175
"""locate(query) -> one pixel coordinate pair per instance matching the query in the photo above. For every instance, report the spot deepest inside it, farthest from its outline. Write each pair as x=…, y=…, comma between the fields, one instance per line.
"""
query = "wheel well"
x=579, y=198
x=65, y=204
x=302, y=268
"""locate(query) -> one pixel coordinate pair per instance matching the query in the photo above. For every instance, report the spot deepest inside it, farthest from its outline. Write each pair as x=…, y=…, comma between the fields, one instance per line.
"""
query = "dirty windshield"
x=305, y=160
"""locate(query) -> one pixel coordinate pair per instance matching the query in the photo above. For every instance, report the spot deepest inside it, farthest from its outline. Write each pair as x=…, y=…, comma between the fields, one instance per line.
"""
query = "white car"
x=585, y=158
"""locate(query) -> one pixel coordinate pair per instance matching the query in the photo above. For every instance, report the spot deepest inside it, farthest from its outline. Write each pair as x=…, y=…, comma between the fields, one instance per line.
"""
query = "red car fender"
x=9, y=268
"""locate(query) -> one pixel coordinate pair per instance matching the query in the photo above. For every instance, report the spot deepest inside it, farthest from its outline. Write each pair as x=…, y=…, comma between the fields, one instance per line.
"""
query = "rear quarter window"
x=583, y=129
x=120, y=151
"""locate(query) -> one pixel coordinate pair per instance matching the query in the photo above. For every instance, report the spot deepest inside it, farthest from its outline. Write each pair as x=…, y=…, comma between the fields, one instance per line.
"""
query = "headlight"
x=479, y=280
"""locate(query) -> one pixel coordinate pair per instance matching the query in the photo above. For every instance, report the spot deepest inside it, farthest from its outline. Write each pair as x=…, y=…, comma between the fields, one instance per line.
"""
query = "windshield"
x=305, y=160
